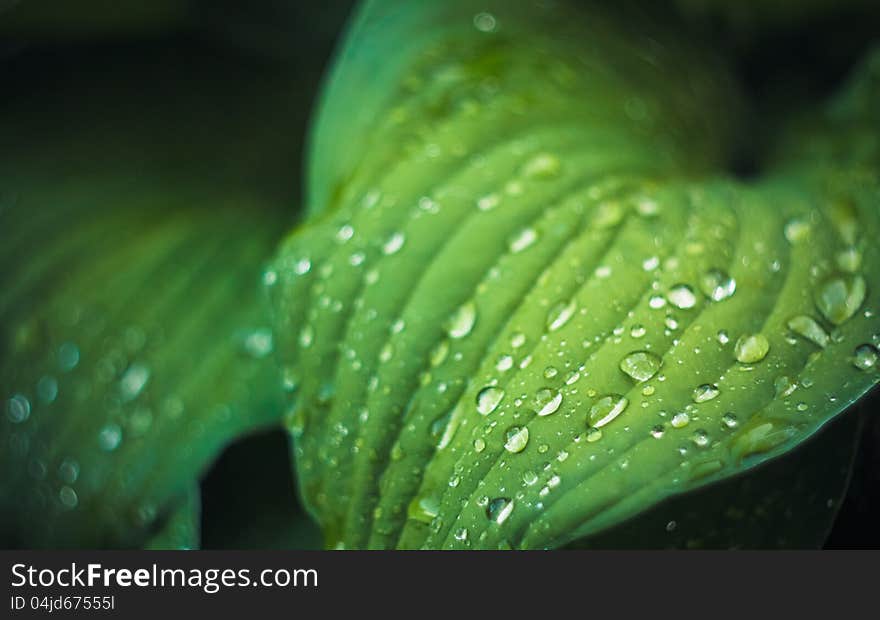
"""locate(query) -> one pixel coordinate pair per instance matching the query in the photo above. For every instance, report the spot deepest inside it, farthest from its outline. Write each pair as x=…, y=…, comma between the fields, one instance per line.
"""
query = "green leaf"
x=529, y=305
x=135, y=337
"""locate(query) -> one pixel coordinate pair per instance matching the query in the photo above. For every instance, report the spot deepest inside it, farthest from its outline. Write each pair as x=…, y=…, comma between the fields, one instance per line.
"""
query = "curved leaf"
x=526, y=307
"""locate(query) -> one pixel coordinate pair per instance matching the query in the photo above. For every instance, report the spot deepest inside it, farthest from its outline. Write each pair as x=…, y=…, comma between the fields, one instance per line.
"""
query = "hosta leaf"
x=134, y=337
x=529, y=306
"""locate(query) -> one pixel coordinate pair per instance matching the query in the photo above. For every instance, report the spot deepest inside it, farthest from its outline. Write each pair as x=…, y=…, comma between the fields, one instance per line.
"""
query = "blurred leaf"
x=138, y=204
x=528, y=305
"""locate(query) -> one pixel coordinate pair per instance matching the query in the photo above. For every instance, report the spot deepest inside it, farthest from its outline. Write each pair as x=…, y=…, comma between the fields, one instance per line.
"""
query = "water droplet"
x=865, y=357
x=68, y=498
x=488, y=399
x=423, y=509
x=529, y=477
x=607, y=409
x=479, y=445
x=638, y=331
x=723, y=336
x=462, y=321
x=488, y=202
x=700, y=438
x=499, y=509
x=542, y=166
x=109, y=437
x=680, y=420
x=547, y=401
x=717, y=285
x=461, y=534
x=270, y=277
x=504, y=363
x=550, y=372
x=517, y=340
x=657, y=431
x=656, y=302
x=784, y=387
x=682, y=296
x=393, y=244
x=439, y=353
x=344, y=233
x=68, y=356
x=849, y=260
x=523, y=239
x=640, y=365
x=302, y=266
x=839, y=298
x=593, y=435
x=706, y=392
x=560, y=314
x=68, y=471
x=729, y=420
x=517, y=439
x=485, y=22
x=808, y=328
x=796, y=230
x=258, y=343
x=751, y=348
x=18, y=409
x=133, y=381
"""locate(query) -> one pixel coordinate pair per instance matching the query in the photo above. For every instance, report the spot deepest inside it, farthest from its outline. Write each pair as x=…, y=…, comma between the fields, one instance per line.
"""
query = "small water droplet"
x=302, y=266
x=259, y=343
x=547, y=401
x=345, y=233
x=717, y=285
x=700, y=438
x=68, y=356
x=18, y=408
x=485, y=22
x=796, y=230
x=488, y=399
x=729, y=420
x=517, y=340
x=593, y=435
x=680, y=420
x=109, y=437
x=393, y=244
x=706, y=392
x=68, y=498
x=751, y=348
x=606, y=409
x=560, y=314
x=133, y=381
x=479, y=445
x=641, y=365
x=499, y=509
x=682, y=296
x=542, y=166
x=523, y=240
x=656, y=302
x=462, y=321
x=657, y=431
x=504, y=363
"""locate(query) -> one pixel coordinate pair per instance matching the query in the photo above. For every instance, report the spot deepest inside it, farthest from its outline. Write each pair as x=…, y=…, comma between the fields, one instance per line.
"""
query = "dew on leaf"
x=751, y=348
x=839, y=298
x=682, y=296
x=807, y=327
x=516, y=439
x=865, y=357
x=606, y=409
x=462, y=321
x=640, y=365
x=547, y=401
x=705, y=393
x=717, y=285
x=560, y=314
x=488, y=399
x=499, y=509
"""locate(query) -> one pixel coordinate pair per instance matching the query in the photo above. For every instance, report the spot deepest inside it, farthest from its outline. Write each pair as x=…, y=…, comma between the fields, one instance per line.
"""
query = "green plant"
x=528, y=306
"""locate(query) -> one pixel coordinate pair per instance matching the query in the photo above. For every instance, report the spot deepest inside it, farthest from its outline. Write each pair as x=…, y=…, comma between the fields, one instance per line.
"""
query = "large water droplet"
x=640, y=365
x=607, y=409
x=796, y=230
x=517, y=439
x=488, y=399
x=682, y=296
x=560, y=314
x=462, y=321
x=866, y=357
x=547, y=401
x=839, y=298
x=717, y=285
x=808, y=328
x=751, y=348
